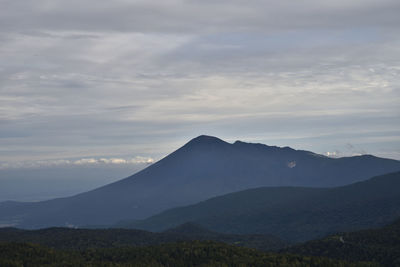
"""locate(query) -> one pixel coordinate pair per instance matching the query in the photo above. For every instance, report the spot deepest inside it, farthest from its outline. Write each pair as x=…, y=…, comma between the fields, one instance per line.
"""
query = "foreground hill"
x=291, y=213
x=203, y=168
x=186, y=254
x=81, y=239
x=380, y=245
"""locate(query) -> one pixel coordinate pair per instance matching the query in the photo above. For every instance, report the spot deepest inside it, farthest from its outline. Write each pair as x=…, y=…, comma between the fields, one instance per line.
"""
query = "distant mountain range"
x=203, y=168
x=292, y=213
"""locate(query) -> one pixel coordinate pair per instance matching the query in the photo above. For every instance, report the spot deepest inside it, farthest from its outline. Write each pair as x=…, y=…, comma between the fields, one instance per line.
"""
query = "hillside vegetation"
x=184, y=254
x=381, y=245
x=81, y=239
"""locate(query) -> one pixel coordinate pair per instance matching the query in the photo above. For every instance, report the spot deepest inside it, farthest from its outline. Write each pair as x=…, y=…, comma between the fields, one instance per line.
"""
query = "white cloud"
x=334, y=154
x=77, y=162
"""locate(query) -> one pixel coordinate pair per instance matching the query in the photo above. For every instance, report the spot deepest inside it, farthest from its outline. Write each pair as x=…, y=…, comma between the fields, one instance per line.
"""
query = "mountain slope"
x=203, y=168
x=291, y=213
x=381, y=245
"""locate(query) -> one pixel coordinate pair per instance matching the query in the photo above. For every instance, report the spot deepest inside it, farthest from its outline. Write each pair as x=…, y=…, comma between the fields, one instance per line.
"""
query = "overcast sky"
x=127, y=82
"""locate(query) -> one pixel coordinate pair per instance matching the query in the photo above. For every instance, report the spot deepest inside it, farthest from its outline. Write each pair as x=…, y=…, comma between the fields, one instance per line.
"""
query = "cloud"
x=194, y=16
x=355, y=151
x=143, y=77
x=76, y=162
x=334, y=154
x=136, y=160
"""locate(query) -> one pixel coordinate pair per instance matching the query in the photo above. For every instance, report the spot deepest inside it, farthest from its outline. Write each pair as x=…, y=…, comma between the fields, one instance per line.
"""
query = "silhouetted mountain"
x=81, y=239
x=203, y=168
x=291, y=213
x=380, y=245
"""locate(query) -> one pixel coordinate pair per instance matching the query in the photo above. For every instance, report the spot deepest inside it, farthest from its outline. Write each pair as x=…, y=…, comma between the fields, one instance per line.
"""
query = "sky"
x=120, y=84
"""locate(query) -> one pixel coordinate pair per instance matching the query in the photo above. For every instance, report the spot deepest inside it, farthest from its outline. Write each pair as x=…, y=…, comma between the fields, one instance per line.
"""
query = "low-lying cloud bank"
x=76, y=162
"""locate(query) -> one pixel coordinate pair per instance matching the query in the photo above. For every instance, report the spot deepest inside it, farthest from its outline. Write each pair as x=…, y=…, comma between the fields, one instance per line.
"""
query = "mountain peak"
x=206, y=140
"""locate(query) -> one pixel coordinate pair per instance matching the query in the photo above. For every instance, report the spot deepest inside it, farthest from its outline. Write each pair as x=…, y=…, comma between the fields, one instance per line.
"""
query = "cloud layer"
x=107, y=80
x=75, y=162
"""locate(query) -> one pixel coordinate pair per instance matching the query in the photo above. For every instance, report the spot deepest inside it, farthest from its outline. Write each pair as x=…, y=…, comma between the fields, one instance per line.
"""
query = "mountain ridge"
x=204, y=167
x=291, y=213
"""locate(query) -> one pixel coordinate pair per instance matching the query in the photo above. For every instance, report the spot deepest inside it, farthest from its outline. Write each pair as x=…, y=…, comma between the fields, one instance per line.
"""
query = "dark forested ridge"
x=381, y=245
x=203, y=168
x=80, y=239
x=184, y=254
x=291, y=213
x=373, y=247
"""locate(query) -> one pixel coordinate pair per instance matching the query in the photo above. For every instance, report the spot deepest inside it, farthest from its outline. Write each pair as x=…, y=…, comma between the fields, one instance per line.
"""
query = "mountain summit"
x=204, y=167
x=203, y=140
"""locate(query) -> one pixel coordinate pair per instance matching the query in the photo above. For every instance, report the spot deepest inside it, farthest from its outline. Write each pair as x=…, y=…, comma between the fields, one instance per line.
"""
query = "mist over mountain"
x=203, y=168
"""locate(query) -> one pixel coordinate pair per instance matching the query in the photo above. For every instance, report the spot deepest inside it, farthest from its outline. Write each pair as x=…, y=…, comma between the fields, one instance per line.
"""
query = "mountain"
x=291, y=213
x=81, y=239
x=381, y=245
x=203, y=168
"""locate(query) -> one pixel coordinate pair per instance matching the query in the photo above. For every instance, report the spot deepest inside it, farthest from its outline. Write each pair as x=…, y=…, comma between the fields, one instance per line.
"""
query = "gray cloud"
x=107, y=80
x=196, y=16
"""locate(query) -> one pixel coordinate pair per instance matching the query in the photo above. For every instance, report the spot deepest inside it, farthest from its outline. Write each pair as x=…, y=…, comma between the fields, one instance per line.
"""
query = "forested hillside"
x=380, y=245
x=184, y=254
x=80, y=239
